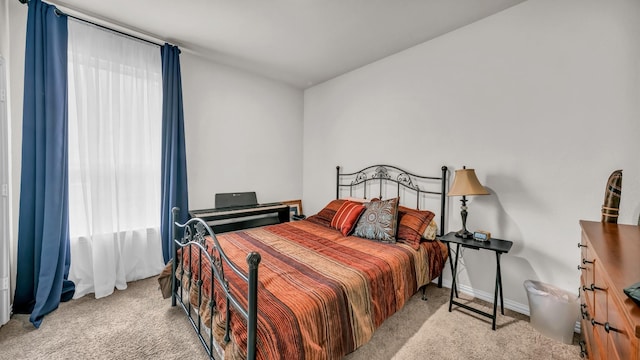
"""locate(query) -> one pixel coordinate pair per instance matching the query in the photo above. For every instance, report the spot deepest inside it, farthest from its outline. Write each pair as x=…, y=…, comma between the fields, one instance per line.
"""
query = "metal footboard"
x=191, y=238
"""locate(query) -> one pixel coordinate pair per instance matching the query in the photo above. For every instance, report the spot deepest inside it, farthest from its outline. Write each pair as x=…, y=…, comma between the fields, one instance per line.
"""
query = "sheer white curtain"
x=115, y=124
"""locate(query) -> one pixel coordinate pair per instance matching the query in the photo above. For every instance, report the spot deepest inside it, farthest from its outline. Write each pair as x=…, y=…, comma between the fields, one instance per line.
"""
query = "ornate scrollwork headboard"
x=363, y=183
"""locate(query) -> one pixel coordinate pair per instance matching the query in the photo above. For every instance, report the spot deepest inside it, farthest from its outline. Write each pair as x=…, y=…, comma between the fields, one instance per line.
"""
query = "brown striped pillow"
x=324, y=216
x=346, y=217
x=412, y=224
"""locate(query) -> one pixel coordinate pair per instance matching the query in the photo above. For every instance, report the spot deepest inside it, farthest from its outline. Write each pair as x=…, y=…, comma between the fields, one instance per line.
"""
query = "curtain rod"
x=60, y=12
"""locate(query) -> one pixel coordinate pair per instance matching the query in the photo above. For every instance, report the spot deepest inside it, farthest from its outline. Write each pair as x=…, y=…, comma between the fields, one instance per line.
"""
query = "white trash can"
x=554, y=311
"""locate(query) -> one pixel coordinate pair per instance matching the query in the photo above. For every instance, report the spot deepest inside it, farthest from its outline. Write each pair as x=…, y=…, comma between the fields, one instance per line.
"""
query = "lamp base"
x=464, y=233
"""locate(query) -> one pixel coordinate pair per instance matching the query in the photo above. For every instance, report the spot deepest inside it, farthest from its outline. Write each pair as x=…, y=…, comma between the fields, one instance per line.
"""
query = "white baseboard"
x=483, y=295
x=508, y=304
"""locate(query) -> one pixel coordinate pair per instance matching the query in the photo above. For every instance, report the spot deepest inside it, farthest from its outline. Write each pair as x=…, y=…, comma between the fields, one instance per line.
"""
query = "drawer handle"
x=585, y=261
x=585, y=314
x=584, y=311
x=580, y=245
x=606, y=325
x=583, y=348
x=593, y=287
x=580, y=268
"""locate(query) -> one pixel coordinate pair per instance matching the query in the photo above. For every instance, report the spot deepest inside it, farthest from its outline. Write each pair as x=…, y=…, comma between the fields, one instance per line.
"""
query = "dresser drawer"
x=586, y=266
x=593, y=347
x=619, y=341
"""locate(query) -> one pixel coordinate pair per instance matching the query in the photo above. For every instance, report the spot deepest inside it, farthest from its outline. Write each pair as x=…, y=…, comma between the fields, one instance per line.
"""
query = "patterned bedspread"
x=320, y=295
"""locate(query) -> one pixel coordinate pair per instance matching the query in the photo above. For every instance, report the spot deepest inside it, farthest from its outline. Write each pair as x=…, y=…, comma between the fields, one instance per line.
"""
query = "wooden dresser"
x=610, y=262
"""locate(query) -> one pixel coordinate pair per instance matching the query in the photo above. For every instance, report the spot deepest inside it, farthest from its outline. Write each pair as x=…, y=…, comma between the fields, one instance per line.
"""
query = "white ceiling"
x=300, y=42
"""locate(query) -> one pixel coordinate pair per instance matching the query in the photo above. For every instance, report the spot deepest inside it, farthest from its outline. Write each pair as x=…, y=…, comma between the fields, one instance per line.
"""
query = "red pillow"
x=347, y=216
x=412, y=224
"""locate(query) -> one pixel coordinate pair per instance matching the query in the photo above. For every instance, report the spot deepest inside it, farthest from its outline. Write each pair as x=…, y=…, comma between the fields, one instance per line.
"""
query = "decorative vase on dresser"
x=610, y=261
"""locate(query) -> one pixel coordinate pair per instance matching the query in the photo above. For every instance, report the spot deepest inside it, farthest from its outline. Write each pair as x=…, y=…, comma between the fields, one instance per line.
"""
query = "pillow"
x=431, y=231
x=324, y=216
x=379, y=221
x=412, y=224
x=347, y=216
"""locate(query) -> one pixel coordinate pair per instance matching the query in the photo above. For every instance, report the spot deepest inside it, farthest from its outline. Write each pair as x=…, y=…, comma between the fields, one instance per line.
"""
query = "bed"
x=316, y=288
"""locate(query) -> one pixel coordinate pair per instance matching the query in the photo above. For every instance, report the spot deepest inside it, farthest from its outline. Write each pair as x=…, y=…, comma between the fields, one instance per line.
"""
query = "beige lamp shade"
x=466, y=183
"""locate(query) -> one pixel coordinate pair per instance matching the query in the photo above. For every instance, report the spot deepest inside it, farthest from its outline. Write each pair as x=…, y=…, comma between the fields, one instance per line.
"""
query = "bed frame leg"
x=253, y=260
x=424, y=293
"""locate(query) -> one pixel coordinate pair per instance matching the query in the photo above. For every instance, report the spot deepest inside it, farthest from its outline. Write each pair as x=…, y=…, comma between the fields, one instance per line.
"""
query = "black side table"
x=496, y=245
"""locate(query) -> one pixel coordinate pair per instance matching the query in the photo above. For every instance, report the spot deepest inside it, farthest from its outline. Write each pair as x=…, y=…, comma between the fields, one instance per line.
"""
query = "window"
x=115, y=124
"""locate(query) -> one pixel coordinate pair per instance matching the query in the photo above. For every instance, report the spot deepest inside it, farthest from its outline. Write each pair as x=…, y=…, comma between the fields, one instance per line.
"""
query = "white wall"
x=543, y=100
x=243, y=133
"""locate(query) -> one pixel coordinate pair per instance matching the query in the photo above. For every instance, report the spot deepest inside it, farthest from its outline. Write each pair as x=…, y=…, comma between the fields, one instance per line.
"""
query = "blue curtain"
x=43, y=230
x=174, y=163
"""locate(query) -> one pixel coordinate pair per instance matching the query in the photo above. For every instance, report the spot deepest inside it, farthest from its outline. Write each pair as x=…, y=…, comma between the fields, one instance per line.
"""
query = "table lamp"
x=465, y=183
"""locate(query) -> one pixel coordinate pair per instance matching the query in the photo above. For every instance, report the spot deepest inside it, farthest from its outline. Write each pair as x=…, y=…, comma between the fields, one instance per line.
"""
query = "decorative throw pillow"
x=412, y=224
x=347, y=216
x=431, y=231
x=324, y=216
x=379, y=221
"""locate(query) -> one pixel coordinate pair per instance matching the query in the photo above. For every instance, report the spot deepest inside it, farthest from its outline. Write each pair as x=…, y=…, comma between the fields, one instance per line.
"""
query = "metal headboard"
x=404, y=180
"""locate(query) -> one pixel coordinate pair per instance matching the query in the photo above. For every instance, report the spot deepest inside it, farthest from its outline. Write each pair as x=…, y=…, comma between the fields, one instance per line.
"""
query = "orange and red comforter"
x=321, y=295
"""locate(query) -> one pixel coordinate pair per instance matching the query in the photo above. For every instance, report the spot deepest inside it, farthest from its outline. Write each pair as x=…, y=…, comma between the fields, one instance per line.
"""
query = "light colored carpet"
x=138, y=324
